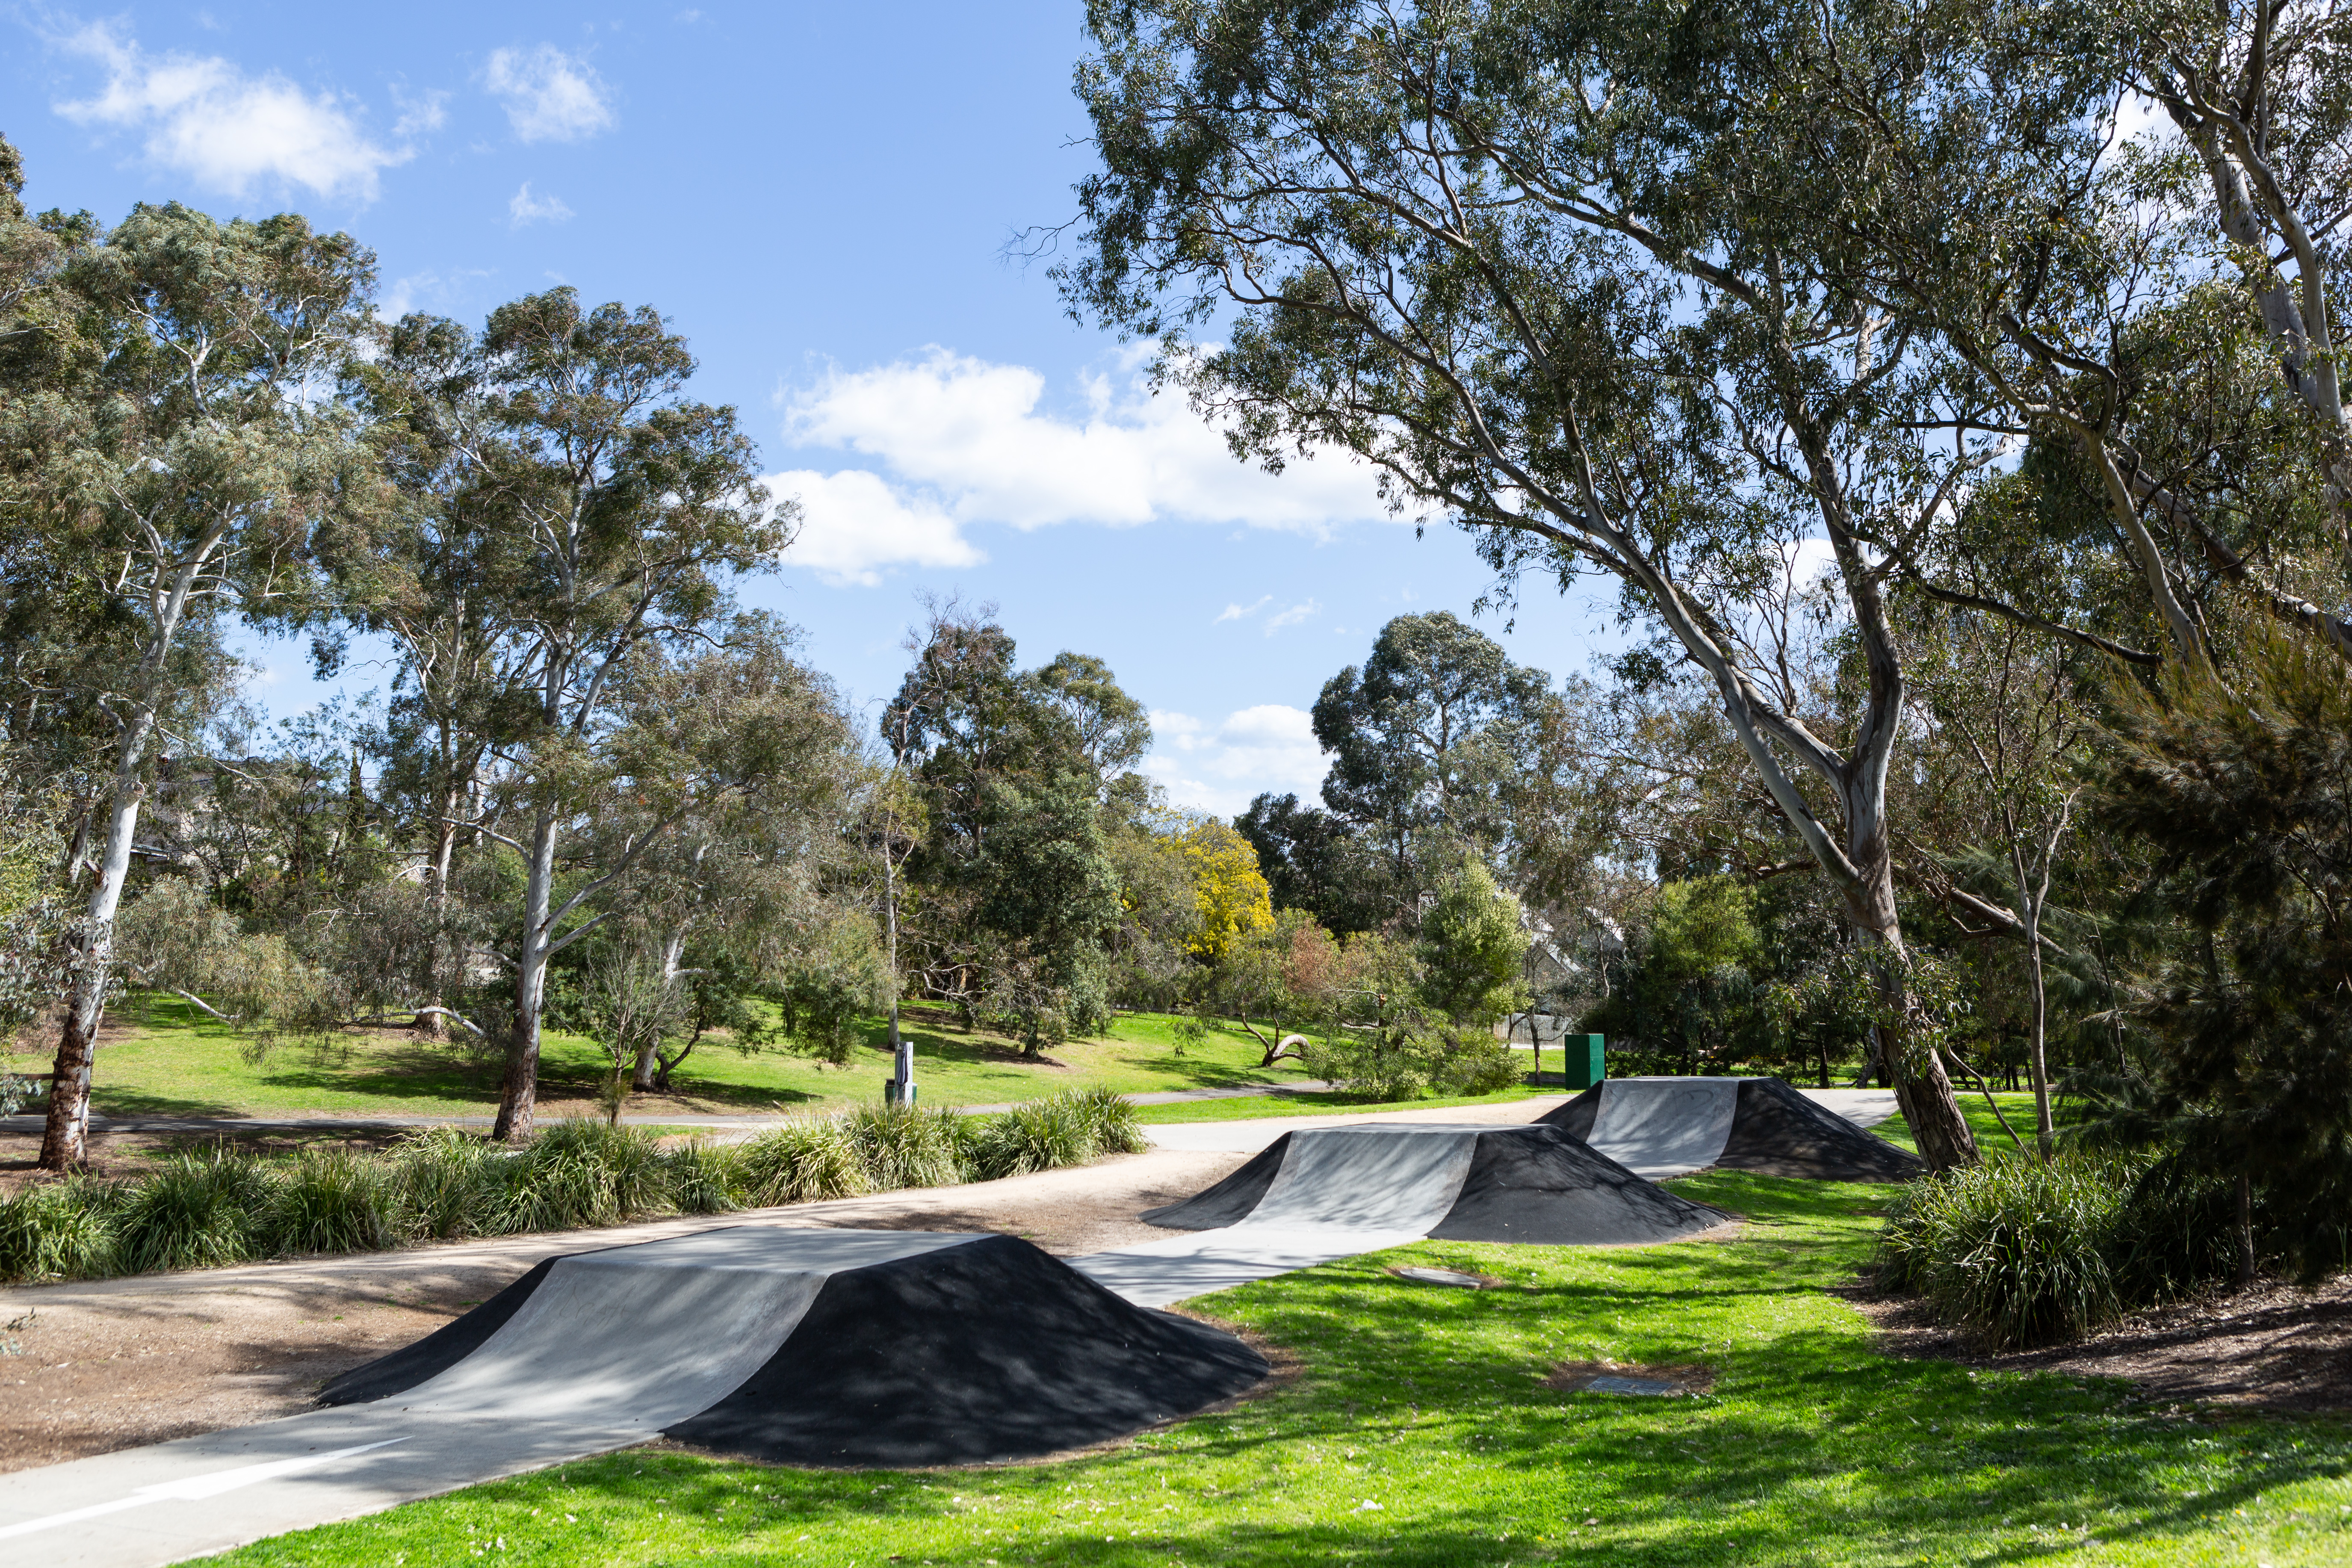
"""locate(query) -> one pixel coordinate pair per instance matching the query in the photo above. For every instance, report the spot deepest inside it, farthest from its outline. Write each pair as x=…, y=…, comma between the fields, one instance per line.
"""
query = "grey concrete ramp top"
x=1339, y=1192
x=1665, y=1126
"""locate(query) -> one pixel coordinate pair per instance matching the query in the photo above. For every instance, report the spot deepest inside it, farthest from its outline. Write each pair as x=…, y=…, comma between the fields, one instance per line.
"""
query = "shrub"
x=440, y=1177
x=2013, y=1251
x=1042, y=1135
x=59, y=1230
x=1112, y=1121
x=703, y=1177
x=199, y=1211
x=335, y=1201
x=801, y=1161
x=901, y=1146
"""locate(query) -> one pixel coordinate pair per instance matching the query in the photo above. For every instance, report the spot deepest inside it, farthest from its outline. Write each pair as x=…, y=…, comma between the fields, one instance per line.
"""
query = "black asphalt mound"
x=988, y=1352
x=1575, y=1117
x=1230, y=1201
x=1538, y=1184
x=438, y=1352
x=1776, y=1132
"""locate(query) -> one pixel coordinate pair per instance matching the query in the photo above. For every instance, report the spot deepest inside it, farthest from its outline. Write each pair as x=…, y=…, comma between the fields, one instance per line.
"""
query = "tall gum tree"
x=603, y=517
x=190, y=467
x=1482, y=248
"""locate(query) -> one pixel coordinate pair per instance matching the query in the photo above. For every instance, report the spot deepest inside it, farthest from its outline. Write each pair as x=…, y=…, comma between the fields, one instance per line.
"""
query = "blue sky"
x=819, y=197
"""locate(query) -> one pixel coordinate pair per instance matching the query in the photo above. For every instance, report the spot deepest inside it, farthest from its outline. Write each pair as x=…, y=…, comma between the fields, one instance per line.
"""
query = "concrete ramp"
x=1320, y=1195
x=1659, y=1127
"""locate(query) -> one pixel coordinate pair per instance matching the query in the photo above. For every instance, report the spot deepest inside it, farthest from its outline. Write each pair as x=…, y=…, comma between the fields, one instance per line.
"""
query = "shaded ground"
x=2274, y=1347
x=93, y=1366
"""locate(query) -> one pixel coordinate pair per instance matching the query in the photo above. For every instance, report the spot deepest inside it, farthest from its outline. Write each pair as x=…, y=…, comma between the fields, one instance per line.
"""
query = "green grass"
x=176, y=1061
x=1311, y=1102
x=1812, y=1450
x=2017, y=1105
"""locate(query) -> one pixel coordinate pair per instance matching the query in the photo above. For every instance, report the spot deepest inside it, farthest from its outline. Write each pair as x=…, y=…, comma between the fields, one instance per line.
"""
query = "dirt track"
x=112, y=1363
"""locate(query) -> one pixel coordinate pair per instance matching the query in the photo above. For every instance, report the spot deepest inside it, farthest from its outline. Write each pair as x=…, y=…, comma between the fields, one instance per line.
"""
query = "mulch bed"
x=2276, y=1346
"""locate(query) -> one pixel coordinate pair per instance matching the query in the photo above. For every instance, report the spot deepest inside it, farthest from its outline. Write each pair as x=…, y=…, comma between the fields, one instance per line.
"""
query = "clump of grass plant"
x=2014, y=1251
x=60, y=1230
x=334, y=1201
x=807, y=1160
x=203, y=1209
x=905, y=1146
x=1066, y=1129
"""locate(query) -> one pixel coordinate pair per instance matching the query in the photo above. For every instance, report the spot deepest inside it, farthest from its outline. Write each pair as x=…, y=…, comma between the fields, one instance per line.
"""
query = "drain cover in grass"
x=1441, y=1276
x=1657, y=1382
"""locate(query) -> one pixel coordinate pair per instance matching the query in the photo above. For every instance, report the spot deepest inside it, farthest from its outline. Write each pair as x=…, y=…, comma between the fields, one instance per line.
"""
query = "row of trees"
x=584, y=740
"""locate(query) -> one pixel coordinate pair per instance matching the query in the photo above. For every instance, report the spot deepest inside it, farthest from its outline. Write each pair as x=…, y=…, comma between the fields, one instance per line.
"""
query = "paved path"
x=1862, y=1107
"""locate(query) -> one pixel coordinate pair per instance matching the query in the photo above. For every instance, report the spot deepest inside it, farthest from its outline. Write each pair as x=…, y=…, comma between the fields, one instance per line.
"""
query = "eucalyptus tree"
x=183, y=452
x=1484, y=247
x=2151, y=299
x=575, y=525
x=1433, y=735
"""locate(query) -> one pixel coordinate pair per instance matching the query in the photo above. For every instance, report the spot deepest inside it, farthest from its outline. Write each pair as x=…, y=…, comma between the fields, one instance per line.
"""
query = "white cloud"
x=1238, y=612
x=855, y=523
x=422, y=113
x=527, y=209
x=441, y=292
x=550, y=95
x=1292, y=617
x=230, y=131
x=1220, y=768
x=968, y=437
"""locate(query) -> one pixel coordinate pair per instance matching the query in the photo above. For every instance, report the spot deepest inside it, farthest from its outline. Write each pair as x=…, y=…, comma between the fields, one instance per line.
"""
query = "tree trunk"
x=2245, y=1231
x=433, y=1026
x=2037, y=1062
x=1915, y=1069
x=65, y=1129
x=518, y=1095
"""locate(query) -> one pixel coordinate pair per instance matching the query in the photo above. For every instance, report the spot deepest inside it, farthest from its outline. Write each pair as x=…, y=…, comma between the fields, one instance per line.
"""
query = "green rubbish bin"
x=1583, y=1066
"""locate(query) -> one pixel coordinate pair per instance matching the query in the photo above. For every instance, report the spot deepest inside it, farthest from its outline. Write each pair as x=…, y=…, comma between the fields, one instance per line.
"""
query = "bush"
x=901, y=1146
x=801, y=1161
x=335, y=1202
x=199, y=1211
x=439, y=1177
x=703, y=1177
x=60, y=1230
x=2013, y=1251
x=1042, y=1135
x=1112, y=1121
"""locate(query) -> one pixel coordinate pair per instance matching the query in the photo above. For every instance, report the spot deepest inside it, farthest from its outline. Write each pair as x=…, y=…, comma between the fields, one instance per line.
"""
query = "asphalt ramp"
x=1659, y=1127
x=813, y=1347
x=1320, y=1195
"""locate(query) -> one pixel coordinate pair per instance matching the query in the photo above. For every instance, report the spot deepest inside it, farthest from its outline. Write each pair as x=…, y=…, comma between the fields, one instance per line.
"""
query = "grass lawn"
x=1419, y=1432
x=176, y=1061
x=1311, y=1102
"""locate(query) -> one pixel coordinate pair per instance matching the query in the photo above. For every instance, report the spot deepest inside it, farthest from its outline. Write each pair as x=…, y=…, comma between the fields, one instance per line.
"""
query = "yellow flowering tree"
x=1230, y=895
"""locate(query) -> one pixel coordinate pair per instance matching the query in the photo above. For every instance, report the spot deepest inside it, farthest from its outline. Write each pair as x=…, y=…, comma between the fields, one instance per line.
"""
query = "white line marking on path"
x=194, y=1489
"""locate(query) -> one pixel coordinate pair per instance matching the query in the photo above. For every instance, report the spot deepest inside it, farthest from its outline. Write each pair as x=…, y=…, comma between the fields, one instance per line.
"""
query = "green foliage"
x=57, y=1230
x=2244, y=789
x=2014, y=1250
x=907, y=1146
x=334, y=1201
x=805, y=1161
x=1472, y=943
x=1066, y=1129
x=1689, y=999
x=201, y=1210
